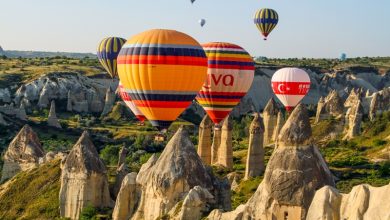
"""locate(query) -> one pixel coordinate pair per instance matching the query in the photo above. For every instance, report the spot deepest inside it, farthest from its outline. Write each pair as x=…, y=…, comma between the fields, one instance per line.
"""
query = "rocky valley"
x=71, y=149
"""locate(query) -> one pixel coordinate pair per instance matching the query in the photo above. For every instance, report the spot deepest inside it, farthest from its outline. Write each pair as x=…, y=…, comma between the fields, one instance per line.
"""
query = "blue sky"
x=307, y=28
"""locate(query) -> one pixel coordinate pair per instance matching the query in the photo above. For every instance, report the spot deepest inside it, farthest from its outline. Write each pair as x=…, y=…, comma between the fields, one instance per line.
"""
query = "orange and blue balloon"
x=162, y=71
x=266, y=20
x=107, y=53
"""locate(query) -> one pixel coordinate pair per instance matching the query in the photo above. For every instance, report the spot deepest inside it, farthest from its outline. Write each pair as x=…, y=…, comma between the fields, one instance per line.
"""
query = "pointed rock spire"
x=122, y=155
x=353, y=119
x=23, y=153
x=164, y=181
x=255, y=156
x=69, y=106
x=83, y=180
x=279, y=124
x=270, y=117
x=204, y=145
x=52, y=120
x=216, y=144
x=297, y=130
x=225, y=152
x=109, y=101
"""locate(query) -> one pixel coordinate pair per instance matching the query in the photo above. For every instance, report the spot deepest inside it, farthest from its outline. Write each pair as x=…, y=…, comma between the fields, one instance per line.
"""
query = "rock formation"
x=194, y=204
x=352, y=99
x=127, y=199
x=353, y=119
x=69, y=103
x=121, y=172
x=255, y=157
x=331, y=106
x=216, y=144
x=234, y=179
x=225, y=152
x=109, y=101
x=380, y=102
x=204, y=144
x=21, y=114
x=168, y=179
x=83, y=180
x=122, y=155
x=294, y=172
x=270, y=117
x=363, y=202
x=2, y=121
x=52, y=120
x=279, y=124
x=23, y=153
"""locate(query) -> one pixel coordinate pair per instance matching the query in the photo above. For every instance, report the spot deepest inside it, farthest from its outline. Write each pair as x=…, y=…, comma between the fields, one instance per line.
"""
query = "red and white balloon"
x=290, y=85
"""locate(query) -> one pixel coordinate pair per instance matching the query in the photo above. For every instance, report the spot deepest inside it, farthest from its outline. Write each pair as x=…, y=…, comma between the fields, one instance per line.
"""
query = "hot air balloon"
x=192, y=1
x=230, y=75
x=343, y=56
x=107, y=53
x=162, y=71
x=290, y=85
x=202, y=22
x=266, y=19
x=126, y=98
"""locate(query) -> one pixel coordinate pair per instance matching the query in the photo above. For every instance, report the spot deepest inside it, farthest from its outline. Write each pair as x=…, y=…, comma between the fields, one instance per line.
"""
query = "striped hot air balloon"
x=229, y=77
x=126, y=98
x=290, y=85
x=266, y=20
x=162, y=71
x=107, y=53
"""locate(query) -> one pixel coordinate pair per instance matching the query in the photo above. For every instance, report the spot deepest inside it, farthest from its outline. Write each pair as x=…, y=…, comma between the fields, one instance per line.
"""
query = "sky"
x=306, y=28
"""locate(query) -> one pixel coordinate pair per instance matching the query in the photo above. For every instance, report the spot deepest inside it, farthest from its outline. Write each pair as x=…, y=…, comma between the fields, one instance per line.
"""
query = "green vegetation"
x=36, y=193
x=244, y=191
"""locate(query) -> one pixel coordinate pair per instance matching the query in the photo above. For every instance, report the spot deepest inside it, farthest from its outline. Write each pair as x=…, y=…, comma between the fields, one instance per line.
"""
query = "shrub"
x=88, y=212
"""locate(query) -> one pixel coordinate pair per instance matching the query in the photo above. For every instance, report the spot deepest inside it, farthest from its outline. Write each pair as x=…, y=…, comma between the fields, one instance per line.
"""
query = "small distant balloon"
x=202, y=22
x=107, y=53
x=192, y=1
x=266, y=20
x=343, y=56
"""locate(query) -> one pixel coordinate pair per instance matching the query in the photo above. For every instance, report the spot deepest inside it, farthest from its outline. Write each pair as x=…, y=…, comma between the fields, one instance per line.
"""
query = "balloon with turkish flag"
x=290, y=85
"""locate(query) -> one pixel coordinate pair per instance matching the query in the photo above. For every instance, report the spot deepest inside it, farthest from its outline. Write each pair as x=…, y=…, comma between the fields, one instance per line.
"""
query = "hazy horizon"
x=306, y=29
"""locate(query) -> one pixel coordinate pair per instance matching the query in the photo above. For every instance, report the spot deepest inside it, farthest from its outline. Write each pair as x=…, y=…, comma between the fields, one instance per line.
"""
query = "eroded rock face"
x=52, y=120
x=255, y=157
x=83, y=180
x=204, y=145
x=121, y=173
x=109, y=101
x=225, y=152
x=270, y=117
x=194, y=204
x=216, y=144
x=363, y=202
x=168, y=179
x=353, y=119
x=127, y=199
x=2, y=121
x=380, y=102
x=294, y=172
x=83, y=94
x=331, y=106
x=279, y=124
x=353, y=98
x=23, y=153
x=122, y=155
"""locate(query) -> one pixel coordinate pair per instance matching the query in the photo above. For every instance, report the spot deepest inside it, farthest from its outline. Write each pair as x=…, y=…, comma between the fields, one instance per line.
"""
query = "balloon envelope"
x=202, y=22
x=192, y=1
x=290, y=85
x=266, y=20
x=126, y=98
x=230, y=75
x=162, y=71
x=107, y=53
